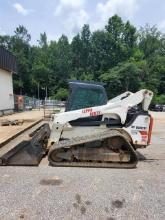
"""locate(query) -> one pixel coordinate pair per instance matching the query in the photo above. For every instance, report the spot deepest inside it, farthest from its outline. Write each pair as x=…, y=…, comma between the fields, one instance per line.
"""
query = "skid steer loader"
x=92, y=132
x=100, y=133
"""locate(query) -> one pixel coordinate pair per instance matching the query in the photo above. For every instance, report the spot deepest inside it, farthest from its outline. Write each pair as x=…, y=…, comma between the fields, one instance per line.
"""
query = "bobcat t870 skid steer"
x=92, y=131
x=100, y=133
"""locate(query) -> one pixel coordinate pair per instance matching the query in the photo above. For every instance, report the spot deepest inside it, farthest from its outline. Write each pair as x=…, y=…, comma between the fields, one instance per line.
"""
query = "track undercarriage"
x=107, y=149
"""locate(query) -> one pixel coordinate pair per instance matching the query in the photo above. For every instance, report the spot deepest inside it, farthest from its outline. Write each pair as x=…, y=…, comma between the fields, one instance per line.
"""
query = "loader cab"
x=84, y=95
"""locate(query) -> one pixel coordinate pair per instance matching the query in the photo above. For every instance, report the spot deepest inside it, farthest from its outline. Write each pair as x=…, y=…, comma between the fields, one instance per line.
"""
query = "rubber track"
x=90, y=138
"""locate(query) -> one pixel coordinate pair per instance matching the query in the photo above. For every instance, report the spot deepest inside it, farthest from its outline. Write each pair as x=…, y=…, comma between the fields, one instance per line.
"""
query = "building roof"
x=7, y=60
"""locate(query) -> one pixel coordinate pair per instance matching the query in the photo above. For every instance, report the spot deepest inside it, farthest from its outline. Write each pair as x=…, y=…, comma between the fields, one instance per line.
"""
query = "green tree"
x=43, y=40
x=59, y=64
x=121, y=56
x=76, y=48
x=101, y=55
x=5, y=41
x=150, y=40
x=61, y=94
x=20, y=47
x=40, y=69
x=86, y=48
x=121, y=78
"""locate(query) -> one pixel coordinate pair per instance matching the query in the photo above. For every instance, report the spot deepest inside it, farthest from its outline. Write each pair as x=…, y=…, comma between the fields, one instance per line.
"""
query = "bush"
x=160, y=99
x=61, y=94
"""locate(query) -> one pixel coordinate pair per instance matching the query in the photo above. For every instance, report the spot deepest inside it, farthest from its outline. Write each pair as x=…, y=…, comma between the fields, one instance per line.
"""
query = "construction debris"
x=7, y=122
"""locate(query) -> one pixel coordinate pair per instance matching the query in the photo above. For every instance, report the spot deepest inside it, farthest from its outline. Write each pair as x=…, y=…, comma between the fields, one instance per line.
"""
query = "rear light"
x=150, y=130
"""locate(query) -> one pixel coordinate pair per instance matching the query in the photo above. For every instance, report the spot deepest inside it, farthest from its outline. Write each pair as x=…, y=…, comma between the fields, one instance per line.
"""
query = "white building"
x=7, y=68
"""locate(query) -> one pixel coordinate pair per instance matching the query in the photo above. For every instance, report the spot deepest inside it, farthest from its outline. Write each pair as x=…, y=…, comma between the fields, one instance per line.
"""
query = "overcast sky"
x=57, y=17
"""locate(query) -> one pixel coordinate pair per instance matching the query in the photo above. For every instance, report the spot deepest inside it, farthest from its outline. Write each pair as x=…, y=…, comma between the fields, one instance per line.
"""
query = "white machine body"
x=138, y=130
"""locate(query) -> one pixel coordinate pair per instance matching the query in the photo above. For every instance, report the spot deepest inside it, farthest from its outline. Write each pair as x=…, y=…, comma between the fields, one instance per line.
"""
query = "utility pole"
x=46, y=91
x=38, y=91
x=39, y=95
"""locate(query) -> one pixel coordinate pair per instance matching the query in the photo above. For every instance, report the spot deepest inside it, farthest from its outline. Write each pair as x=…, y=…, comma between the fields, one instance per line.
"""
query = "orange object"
x=150, y=130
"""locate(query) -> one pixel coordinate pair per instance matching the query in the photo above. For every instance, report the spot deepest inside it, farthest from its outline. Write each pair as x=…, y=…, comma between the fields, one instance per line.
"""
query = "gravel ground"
x=88, y=193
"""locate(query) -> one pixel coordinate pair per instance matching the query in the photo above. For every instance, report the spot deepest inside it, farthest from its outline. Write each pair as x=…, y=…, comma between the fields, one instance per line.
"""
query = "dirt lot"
x=46, y=192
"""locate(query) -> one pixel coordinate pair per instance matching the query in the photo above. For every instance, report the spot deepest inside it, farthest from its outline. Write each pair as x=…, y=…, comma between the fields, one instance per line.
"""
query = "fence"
x=23, y=103
x=52, y=107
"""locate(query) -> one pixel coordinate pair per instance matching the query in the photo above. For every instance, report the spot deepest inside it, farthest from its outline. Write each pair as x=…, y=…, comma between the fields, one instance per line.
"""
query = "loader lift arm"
x=117, y=110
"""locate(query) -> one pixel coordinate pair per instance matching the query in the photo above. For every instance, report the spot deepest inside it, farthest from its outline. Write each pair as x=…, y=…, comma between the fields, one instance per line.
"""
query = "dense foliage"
x=121, y=56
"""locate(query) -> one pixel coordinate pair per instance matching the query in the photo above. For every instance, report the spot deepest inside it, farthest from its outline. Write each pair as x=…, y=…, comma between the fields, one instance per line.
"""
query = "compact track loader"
x=96, y=132
x=92, y=132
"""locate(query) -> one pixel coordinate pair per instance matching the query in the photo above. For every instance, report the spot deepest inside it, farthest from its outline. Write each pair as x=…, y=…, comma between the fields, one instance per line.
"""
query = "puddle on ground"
x=88, y=202
x=106, y=210
x=80, y=205
x=83, y=210
x=78, y=198
x=21, y=216
x=118, y=203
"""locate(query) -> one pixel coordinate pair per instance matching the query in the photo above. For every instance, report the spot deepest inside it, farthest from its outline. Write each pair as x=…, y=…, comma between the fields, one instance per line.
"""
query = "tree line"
x=119, y=55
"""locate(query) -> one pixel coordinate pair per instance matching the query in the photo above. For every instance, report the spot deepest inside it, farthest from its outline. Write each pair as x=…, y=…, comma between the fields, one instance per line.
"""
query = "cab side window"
x=84, y=98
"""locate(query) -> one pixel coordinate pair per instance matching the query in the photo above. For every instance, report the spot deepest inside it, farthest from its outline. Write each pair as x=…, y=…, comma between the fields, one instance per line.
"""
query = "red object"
x=150, y=130
x=143, y=132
